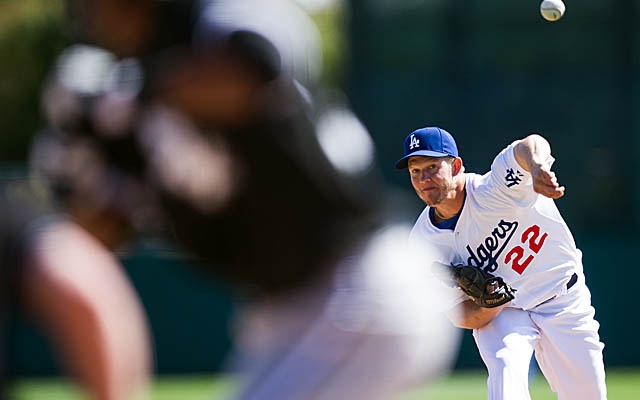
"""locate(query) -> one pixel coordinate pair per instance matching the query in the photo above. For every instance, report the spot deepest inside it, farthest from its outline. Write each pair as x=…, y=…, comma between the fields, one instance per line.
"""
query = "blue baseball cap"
x=428, y=142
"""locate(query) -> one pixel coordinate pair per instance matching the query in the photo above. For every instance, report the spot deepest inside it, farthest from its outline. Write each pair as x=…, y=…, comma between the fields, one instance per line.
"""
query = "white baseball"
x=552, y=10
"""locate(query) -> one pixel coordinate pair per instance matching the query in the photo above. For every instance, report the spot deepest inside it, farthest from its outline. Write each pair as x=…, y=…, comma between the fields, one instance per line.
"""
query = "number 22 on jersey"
x=530, y=237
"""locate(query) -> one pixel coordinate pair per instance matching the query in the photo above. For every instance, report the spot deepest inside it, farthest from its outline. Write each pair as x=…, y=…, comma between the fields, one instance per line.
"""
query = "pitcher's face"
x=432, y=178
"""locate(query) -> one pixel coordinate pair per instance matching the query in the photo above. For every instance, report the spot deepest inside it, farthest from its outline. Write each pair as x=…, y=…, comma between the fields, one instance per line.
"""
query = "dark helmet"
x=276, y=34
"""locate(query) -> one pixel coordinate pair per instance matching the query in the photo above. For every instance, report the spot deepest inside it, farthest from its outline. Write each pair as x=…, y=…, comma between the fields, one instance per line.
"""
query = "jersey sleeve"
x=510, y=181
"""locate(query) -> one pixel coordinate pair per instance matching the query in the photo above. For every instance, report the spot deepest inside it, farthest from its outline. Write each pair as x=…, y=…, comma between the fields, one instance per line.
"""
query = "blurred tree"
x=31, y=34
x=331, y=22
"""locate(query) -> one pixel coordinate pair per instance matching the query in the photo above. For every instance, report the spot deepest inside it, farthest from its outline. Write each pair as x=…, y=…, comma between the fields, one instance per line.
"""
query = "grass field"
x=622, y=384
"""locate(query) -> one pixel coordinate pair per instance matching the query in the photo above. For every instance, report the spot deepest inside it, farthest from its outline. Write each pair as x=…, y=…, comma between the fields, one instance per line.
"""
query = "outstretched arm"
x=532, y=154
x=77, y=291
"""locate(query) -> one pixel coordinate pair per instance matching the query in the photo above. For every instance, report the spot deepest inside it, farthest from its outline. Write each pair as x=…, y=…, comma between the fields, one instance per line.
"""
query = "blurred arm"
x=468, y=315
x=77, y=290
x=532, y=154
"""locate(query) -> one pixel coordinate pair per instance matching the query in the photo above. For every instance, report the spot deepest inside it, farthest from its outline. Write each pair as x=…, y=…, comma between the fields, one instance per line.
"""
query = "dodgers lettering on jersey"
x=509, y=230
x=490, y=249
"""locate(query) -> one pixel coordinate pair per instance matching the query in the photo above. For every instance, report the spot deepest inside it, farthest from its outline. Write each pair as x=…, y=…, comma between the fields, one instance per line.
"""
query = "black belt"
x=572, y=281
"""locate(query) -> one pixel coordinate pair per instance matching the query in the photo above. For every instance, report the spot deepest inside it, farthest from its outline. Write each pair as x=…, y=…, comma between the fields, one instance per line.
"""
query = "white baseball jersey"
x=507, y=229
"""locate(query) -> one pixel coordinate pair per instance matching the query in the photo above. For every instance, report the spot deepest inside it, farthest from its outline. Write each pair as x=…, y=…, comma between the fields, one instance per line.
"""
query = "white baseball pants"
x=564, y=335
x=367, y=333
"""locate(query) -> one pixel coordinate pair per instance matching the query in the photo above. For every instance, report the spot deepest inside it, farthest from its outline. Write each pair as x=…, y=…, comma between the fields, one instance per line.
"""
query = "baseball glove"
x=485, y=289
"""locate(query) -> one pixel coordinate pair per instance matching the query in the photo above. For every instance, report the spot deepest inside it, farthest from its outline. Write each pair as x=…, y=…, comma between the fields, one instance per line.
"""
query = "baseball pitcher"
x=502, y=241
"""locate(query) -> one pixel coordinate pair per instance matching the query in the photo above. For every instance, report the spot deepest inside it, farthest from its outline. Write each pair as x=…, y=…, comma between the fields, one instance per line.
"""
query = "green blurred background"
x=487, y=71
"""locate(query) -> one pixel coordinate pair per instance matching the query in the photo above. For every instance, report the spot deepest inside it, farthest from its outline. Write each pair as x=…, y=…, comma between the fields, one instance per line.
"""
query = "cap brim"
x=403, y=162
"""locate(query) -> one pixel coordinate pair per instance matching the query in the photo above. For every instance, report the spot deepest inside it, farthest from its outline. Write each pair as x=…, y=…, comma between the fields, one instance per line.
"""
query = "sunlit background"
x=489, y=72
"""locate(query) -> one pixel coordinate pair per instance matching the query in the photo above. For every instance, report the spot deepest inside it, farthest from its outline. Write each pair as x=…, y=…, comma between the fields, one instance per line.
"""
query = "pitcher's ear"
x=457, y=166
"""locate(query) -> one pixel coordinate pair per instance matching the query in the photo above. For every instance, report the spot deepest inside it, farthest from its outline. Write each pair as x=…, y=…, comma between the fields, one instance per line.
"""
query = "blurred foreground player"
x=220, y=141
x=74, y=289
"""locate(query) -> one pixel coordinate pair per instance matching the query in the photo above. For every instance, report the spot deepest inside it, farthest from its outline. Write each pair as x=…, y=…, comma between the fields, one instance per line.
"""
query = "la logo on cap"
x=430, y=141
x=415, y=142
